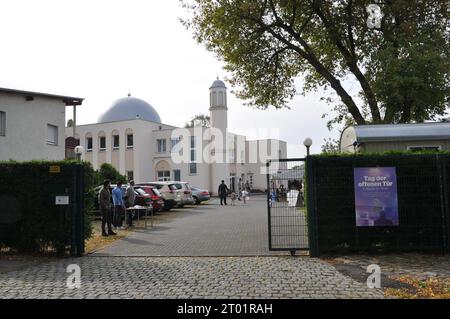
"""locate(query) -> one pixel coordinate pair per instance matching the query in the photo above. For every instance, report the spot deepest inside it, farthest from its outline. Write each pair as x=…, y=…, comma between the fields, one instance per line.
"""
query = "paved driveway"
x=186, y=277
x=205, y=230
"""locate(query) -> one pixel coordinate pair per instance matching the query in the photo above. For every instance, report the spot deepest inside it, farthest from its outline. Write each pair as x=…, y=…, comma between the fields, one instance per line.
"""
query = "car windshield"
x=194, y=189
x=140, y=191
x=174, y=187
x=156, y=192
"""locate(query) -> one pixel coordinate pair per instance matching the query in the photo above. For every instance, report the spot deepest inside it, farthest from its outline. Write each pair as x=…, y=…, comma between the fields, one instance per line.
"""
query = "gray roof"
x=130, y=108
x=403, y=132
x=68, y=100
x=218, y=84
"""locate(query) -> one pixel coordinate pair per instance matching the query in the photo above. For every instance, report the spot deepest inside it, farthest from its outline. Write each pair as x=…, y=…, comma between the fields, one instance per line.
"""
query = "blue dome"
x=218, y=84
x=130, y=108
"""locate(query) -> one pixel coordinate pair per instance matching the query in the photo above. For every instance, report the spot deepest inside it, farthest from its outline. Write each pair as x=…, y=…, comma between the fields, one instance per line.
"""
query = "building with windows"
x=32, y=125
x=396, y=137
x=131, y=136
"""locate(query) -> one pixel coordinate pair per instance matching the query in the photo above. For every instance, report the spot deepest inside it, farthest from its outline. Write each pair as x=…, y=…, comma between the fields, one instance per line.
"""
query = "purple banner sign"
x=376, y=200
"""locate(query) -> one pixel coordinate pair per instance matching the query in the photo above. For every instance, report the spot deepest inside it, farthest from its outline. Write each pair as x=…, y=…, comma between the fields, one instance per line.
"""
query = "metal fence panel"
x=288, y=226
x=422, y=201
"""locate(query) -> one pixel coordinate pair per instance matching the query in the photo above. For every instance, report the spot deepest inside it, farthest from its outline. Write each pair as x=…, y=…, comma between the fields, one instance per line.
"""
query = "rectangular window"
x=130, y=175
x=193, y=168
x=89, y=144
x=2, y=123
x=174, y=142
x=116, y=142
x=161, y=144
x=163, y=176
x=130, y=141
x=193, y=157
x=102, y=143
x=52, y=134
x=177, y=175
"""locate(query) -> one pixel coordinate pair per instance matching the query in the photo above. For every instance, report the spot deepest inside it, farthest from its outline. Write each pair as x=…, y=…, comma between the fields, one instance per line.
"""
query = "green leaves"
x=401, y=68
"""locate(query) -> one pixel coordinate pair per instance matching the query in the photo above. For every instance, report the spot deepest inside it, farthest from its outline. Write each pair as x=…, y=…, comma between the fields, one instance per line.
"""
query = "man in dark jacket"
x=223, y=193
x=104, y=199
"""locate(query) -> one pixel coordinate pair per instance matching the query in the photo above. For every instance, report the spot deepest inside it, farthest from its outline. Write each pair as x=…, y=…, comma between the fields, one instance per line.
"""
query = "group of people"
x=279, y=194
x=243, y=191
x=113, y=206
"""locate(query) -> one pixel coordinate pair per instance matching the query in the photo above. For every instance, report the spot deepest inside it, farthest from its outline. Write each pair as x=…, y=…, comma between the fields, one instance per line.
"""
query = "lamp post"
x=307, y=142
x=79, y=150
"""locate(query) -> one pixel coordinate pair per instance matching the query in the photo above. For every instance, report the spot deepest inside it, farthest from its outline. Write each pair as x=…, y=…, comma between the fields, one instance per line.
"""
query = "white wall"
x=26, y=128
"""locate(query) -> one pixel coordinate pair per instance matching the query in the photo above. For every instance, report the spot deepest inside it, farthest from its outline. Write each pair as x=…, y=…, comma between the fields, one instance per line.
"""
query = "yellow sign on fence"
x=55, y=169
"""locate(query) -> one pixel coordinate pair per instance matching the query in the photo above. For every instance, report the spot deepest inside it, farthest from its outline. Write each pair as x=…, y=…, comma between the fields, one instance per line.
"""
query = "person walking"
x=223, y=193
x=119, y=205
x=240, y=188
x=130, y=197
x=104, y=199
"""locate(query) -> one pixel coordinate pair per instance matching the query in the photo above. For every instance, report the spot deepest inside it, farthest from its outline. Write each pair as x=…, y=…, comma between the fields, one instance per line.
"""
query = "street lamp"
x=307, y=142
x=79, y=150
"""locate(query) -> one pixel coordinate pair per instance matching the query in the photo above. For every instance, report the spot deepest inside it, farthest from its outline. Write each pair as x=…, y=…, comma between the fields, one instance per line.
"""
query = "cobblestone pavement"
x=205, y=230
x=420, y=266
x=186, y=277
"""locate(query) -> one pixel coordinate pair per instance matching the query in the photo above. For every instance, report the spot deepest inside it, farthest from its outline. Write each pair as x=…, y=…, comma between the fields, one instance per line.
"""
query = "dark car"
x=157, y=199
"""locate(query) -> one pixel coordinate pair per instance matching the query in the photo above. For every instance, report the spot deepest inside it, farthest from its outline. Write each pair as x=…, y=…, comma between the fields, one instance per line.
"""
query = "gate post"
x=311, y=208
x=269, y=222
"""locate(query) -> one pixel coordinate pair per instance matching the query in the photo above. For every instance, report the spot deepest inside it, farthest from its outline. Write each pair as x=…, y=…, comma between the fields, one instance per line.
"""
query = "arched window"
x=214, y=99
x=220, y=99
x=115, y=140
x=129, y=138
x=101, y=141
x=88, y=141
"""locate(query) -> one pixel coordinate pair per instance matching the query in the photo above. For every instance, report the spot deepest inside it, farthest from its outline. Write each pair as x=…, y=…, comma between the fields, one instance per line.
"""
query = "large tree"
x=400, y=65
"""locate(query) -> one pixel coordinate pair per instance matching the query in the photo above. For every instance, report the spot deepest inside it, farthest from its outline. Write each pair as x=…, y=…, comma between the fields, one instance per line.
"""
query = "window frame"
x=100, y=143
x=52, y=143
x=161, y=145
x=2, y=123
x=114, y=146
x=89, y=149
x=132, y=140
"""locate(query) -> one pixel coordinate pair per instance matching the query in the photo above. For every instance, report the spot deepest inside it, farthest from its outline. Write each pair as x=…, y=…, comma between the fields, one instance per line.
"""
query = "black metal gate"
x=288, y=217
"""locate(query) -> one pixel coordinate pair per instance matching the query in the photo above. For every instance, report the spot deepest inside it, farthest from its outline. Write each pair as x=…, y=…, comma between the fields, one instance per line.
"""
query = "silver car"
x=200, y=195
x=185, y=192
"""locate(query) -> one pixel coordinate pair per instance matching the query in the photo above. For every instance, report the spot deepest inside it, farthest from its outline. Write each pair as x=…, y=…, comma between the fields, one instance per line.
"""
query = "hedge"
x=30, y=221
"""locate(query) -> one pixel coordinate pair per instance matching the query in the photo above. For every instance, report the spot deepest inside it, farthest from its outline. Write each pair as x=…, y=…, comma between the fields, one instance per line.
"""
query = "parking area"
x=205, y=230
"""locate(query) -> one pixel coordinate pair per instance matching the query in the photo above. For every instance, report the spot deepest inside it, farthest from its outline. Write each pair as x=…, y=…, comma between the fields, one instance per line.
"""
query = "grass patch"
x=97, y=241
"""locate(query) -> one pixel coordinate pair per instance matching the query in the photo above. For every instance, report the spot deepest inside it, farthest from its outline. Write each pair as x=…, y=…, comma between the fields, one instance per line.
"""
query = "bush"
x=107, y=171
x=30, y=221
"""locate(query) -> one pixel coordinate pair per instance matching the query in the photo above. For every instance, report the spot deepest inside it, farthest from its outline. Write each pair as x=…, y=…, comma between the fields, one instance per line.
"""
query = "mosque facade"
x=131, y=137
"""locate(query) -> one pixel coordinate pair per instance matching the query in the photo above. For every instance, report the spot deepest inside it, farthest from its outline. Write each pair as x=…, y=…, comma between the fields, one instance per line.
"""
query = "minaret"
x=219, y=120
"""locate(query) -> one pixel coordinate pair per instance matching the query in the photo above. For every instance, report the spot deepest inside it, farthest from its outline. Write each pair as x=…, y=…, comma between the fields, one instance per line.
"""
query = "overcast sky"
x=100, y=50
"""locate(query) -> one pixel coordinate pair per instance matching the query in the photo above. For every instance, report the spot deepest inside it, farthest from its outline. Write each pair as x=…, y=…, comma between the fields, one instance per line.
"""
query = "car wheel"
x=197, y=202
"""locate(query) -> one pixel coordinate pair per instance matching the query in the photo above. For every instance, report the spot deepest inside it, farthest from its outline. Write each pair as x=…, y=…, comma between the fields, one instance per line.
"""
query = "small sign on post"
x=62, y=200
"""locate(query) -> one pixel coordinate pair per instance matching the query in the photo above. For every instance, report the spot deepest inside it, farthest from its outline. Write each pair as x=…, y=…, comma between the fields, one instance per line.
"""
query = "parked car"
x=142, y=198
x=157, y=198
x=200, y=195
x=185, y=193
x=169, y=192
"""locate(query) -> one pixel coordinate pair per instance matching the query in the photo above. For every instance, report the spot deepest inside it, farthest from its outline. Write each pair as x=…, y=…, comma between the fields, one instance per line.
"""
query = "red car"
x=155, y=195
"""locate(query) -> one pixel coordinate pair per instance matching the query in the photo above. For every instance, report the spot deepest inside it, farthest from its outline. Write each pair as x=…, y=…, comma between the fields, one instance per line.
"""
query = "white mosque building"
x=131, y=137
